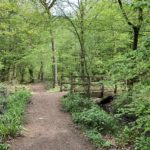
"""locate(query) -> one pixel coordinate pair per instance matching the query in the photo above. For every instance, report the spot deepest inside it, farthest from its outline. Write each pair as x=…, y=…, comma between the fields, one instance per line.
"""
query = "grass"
x=96, y=137
x=12, y=119
x=103, y=128
x=93, y=120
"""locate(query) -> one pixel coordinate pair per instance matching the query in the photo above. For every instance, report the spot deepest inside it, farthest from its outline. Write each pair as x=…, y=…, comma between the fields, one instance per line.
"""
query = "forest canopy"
x=38, y=41
x=43, y=40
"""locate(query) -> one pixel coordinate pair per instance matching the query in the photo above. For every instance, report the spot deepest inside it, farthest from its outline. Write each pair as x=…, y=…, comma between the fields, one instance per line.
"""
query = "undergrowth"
x=129, y=124
x=93, y=120
x=134, y=111
x=13, y=117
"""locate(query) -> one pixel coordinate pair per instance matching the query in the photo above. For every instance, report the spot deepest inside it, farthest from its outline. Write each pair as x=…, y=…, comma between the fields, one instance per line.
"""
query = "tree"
x=48, y=5
x=135, y=26
x=79, y=27
x=21, y=27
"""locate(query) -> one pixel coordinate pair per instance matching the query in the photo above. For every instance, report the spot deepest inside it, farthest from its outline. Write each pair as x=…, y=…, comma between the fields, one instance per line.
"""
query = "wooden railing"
x=70, y=83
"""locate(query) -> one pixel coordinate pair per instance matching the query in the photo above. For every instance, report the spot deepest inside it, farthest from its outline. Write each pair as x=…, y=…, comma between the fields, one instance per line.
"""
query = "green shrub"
x=142, y=143
x=11, y=121
x=76, y=103
x=125, y=136
x=3, y=94
x=121, y=100
x=91, y=118
x=137, y=108
x=4, y=146
x=95, y=117
x=3, y=88
x=97, y=138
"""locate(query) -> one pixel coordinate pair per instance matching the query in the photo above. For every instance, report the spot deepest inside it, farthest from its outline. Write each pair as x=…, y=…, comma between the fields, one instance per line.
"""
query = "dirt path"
x=47, y=127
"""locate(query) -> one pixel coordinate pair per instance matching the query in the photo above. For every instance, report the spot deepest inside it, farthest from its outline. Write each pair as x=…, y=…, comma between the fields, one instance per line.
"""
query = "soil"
x=47, y=127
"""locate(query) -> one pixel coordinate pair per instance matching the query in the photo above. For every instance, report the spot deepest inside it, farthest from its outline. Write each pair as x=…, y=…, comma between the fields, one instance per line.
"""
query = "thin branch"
x=124, y=13
x=48, y=5
x=72, y=23
x=51, y=4
x=140, y=17
x=74, y=7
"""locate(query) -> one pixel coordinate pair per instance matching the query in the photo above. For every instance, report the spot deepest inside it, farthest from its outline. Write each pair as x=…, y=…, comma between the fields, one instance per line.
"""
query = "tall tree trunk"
x=41, y=73
x=82, y=63
x=136, y=31
x=54, y=58
x=84, y=69
x=14, y=71
x=22, y=73
x=31, y=74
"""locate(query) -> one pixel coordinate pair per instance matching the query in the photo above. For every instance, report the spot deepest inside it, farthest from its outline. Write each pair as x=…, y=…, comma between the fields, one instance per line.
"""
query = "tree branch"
x=72, y=23
x=140, y=17
x=51, y=4
x=48, y=5
x=124, y=13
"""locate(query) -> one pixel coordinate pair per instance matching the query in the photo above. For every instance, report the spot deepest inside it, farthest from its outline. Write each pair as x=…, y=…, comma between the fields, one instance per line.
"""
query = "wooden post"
x=115, y=90
x=61, y=83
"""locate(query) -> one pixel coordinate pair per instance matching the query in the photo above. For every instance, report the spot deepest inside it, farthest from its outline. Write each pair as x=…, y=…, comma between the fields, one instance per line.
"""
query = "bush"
x=91, y=118
x=11, y=121
x=4, y=146
x=142, y=143
x=136, y=109
x=97, y=138
x=3, y=93
x=76, y=103
x=3, y=89
x=95, y=117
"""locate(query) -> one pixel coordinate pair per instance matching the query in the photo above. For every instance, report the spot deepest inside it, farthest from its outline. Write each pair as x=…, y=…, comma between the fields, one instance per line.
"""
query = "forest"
x=98, y=51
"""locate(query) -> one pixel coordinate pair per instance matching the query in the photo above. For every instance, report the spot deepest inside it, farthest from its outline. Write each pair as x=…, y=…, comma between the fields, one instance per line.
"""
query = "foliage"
x=11, y=121
x=97, y=138
x=142, y=143
x=19, y=35
x=3, y=90
x=94, y=35
x=4, y=146
x=133, y=105
x=96, y=118
x=91, y=118
x=76, y=103
x=3, y=97
x=26, y=41
x=136, y=111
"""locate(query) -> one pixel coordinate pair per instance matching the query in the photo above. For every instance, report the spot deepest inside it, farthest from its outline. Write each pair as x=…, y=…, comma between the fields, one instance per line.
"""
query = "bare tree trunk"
x=31, y=74
x=82, y=63
x=54, y=58
x=48, y=5
x=41, y=73
x=22, y=73
x=14, y=75
x=12, y=72
x=84, y=68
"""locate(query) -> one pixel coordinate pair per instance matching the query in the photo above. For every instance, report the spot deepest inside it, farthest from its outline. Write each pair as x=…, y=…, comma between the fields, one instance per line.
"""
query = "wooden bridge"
x=92, y=86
